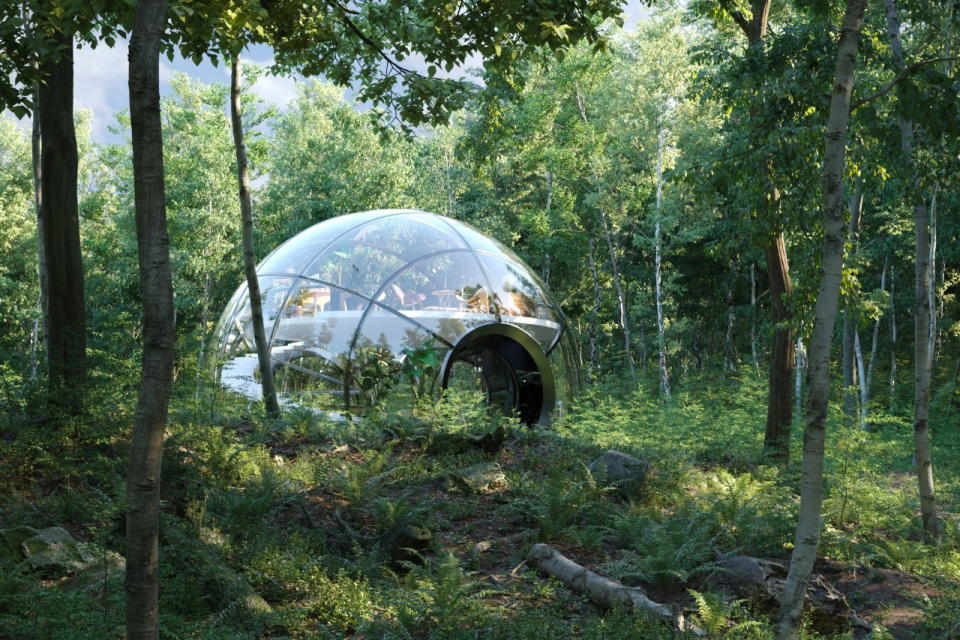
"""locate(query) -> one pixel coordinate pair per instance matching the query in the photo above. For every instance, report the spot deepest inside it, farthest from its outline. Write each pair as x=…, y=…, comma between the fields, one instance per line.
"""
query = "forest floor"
x=301, y=528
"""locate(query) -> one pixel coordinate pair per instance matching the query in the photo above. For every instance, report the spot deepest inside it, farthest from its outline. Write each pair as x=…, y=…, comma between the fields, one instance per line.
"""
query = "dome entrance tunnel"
x=358, y=300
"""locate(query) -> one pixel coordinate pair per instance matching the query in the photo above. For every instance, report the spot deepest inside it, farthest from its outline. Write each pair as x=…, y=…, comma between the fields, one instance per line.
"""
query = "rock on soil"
x=618, y=470
x=479, y=478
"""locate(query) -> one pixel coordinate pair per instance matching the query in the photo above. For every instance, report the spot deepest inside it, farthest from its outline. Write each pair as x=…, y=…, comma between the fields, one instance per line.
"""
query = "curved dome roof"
x=375, y=286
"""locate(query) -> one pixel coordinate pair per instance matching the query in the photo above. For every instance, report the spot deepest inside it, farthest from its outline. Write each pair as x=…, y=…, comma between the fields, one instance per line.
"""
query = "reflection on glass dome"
x=358, y=300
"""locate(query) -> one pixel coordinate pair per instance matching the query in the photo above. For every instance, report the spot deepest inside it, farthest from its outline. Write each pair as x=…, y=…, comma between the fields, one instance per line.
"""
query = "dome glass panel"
x=348, y=301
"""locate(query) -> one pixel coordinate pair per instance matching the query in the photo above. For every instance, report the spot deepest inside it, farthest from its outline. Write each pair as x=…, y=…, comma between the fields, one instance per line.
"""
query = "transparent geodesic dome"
x=356, y=301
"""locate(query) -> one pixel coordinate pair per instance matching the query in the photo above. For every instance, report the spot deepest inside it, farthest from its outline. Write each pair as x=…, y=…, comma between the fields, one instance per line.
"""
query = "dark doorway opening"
x=508, y=366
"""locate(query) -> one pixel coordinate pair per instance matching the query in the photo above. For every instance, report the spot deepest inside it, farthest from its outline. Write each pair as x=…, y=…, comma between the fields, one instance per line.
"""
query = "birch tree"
x=923, y=317
x=818, y=377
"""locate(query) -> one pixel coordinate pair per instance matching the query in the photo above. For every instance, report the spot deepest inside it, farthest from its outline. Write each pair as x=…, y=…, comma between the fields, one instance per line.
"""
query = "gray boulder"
x=479, y=478
x=618, y=470
x=54, y=548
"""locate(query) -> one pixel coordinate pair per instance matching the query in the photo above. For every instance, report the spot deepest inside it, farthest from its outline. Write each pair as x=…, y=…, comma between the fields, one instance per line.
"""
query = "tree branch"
x=371, y=44
x=737, y=16
x=900, y=77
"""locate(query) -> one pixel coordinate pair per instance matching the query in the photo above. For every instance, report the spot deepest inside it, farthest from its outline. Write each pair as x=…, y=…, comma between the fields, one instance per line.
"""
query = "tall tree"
x=807, y=536
x=59, y=221
x=156, y=288
x=923, y=317
x=776, y=438
x=249, y=259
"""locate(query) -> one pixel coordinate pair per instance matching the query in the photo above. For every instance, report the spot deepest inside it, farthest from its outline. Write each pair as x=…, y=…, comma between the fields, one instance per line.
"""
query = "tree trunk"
x=818, y=376
x=614, y=266
x=848, y=358
x=657, y=262
x=921, y=335
x=249, y=257
x=801, y=363
x=594, y=313
x=753, y=317
x=932, y=290
x=60, y=226
x=35, y=157
x=892, y=383
x=861, y=378
x=730, y=360
x=776, y=440
x=549, y=205
x=621, y=298
x=156, y=289
x=875, y=340
x=847, y=368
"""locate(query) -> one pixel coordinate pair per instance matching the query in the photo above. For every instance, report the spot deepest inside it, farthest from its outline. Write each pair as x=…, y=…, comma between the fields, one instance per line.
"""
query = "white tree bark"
x=892, y=382
x=932, y=290
x=861, y=378
x=868, y=378
x=825, y=312
x=799, y=366
x=614, y=263
x=922, y=311
x=602, y=591
x=657, y=262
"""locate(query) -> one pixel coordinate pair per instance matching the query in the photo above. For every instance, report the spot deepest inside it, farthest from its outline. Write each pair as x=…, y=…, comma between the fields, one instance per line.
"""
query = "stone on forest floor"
x=55, y=548
x=762, y=581
x=616, y=469
x=479, y=478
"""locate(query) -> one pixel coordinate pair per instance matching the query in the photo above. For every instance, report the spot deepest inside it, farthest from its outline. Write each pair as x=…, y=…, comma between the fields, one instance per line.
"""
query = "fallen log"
x=603, y=592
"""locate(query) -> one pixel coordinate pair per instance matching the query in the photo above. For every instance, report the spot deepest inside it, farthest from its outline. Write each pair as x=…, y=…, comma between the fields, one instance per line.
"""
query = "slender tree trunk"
x=932, y=290
x=594, y=313
x=35, y=157
x=847, y=368
x=614, y=266
x=60, y=226
x=892, y=382
x=730, y=360
x=753, y=317
x=922, y=360
x=156, y=289
x=621, y=298
x=818, y=376
x=861, y=379
x=848, y=359
x=549, y=206
x=875, y=339
x=776, y=440
x=249, y=257
x=657, y=262
x=801, y=363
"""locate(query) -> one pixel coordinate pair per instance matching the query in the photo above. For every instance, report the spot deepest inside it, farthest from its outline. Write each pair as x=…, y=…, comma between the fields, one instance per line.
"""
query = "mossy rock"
x=618, y=470
x=483, y=477
x=11, y=540
x=55, y=549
